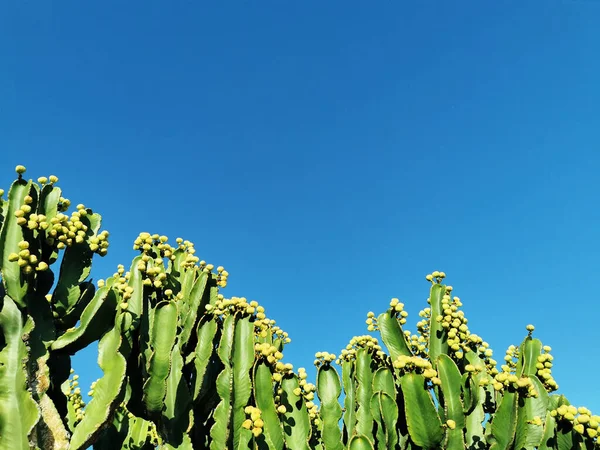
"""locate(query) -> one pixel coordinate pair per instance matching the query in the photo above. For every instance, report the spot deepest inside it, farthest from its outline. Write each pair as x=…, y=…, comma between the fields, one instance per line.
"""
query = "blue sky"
x=330, y=154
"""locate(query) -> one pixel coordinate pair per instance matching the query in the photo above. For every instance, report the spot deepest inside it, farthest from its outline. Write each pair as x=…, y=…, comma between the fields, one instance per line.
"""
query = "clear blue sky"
x=330, y=154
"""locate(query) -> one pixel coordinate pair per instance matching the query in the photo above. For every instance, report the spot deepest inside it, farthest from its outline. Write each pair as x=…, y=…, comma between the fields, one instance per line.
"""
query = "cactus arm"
x=176, y=417
x=49, y=198
x=472, y=393
x=424, y=424
x=385, y=412
x=243, y=360
x=474, y=397
x=384, y=408
x=51, y=429
x=474, y=432
x=136, y=302
x=108, y=391
x=350, y=397
x=207, y=330
x=296, y=423
x=453, y=406
x=529, y=352
x=96, y=319
x=194, y=300
x=565, y=437
x=15, y=282
x=3, y=211
x=162, y=340
x=504, y=424
x=438, y=337
x=220, y=432
x=70, y=415
x=392, y=335
x=71, y=317
x=359, y=442
x=329, y=389
x=549, y=438
x=137, y=434
x=113, y=436
x=380, y=430
x=74, y=269
x=15, y=401
x=529, y=435
x=383, y=380
x=263, y=394
x=364, y=392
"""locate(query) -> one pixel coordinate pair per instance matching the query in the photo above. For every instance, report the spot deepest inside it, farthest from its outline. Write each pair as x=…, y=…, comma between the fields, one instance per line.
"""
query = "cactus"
x=184, y=367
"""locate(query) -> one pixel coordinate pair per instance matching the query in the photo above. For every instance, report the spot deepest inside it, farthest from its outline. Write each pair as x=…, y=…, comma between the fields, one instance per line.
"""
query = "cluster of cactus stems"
x=186, y=368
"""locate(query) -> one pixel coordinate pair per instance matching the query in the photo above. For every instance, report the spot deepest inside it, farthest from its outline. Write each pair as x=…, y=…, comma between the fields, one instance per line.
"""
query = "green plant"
x=186, y=368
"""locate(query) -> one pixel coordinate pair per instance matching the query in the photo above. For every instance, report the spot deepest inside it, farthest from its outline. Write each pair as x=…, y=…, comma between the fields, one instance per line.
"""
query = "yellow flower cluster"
x=506, y=380
x=435, y=277
x=366, y=341
x=416, y=364
x=397, y=310
x=20, y=169
x=62, y=231
x=227, y=306
x=254, y=422
x=324, y=358
x=454, y=322
x=423, y=325
x=92, y=387
x=154, y=245
x=27, y=261
x=273, y=356
x=510, y=359
x=371, y=321
x=307, y=392
x=222, y=276
x=537, y=420
x=581, y=418
x=120, y=281
x=74, y=397
x=417, y=343
x=263, y=326
x=544, y=369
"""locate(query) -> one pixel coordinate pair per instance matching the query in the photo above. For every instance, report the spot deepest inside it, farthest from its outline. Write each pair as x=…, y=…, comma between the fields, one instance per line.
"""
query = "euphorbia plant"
x=186, y=367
